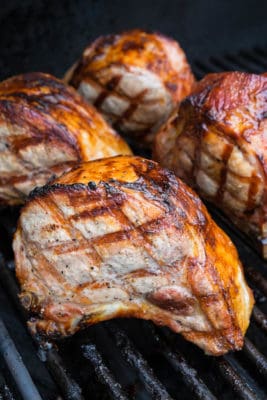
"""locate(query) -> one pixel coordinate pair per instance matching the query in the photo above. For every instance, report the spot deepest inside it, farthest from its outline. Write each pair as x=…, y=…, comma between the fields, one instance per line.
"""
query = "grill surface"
x=131, y=359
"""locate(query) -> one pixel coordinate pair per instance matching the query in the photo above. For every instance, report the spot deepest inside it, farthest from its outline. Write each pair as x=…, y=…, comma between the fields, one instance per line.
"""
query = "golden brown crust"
x=123, y=237
x=44, y=127
x=217, y=143
x=134, y=78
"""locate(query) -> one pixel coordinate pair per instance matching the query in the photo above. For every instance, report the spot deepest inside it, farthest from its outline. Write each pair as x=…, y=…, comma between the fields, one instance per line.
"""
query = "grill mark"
x=31, y=80
x=142, y=125
x=34, y=272
x=225, y=295
x=23, y=142
x=92, y=80
x=104, y=93
x=93, y=241
x=38, y=99
x=69, y=102
x=223, y=176
x=14, y=147
x=197, y=154
x=221, y=293
x=243, y=179
x=255, y=182
x=11, y=180
x=101, y=98
x=31, y=119
x=145, y=241
x=232, y=172
x=67, y=224
x=127, y=113
x=189, y=271
x=115, y=236
x=134, y=103
x=113, y=82
x=232, y=194
x=93, y=286
x=95, y=212
x=46, y=266
x=109, y=87
x=112, y=237
x=48, y=269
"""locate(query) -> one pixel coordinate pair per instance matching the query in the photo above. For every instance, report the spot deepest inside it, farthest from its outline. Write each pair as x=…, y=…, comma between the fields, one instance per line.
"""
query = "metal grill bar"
x=68, y=386
x=135, y=359
x=70, y=389
x=258, y=279
x=237, y=383
x=260, y=318
x=179, y=364
x=255, y=62
x=256, y=57
x=245, y=65
x=219, y=63
x=16, y=366
x=102, y=371
x=256, y=357
x=223, y=220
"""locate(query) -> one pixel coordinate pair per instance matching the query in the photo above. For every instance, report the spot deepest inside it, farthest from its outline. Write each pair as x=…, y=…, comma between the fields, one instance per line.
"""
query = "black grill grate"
x=130, y=359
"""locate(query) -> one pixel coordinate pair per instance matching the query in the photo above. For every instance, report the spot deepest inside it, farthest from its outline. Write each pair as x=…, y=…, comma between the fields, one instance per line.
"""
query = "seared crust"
x=135, y=79
x=218, y=145
x=44, y=127
x=121, y=237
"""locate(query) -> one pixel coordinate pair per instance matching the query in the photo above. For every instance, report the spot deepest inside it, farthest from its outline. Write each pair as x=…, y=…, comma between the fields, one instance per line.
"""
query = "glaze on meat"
x=45, y=126
x=218, y=145
x=122, y=237
x=135, y=79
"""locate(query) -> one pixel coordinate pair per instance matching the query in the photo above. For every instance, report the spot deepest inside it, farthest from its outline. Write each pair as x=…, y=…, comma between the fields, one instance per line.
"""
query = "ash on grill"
x=131, y=359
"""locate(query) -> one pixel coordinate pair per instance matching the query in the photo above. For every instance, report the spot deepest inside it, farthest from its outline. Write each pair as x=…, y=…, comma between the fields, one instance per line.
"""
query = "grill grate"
x=113, y=360
x=254, y=61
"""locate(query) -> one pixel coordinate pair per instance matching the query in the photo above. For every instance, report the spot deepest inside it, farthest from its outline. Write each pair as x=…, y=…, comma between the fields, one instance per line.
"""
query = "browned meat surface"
x=121, y=237
x=135, y=79
x=218, y=145
x=44, y=127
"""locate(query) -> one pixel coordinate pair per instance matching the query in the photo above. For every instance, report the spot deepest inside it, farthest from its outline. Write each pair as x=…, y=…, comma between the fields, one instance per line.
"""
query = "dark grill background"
x=49, y=35
x=129, y=358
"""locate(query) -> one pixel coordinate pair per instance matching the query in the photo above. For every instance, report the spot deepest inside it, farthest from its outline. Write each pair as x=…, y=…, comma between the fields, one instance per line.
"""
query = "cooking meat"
x=135, y=79
x=44, y=127
x=121, y=237
x=218, y=145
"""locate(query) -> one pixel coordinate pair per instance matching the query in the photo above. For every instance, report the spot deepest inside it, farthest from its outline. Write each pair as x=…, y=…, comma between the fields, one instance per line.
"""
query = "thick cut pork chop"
x=121, y=237
x=218, y=144
x=45, y=126
x=135, y=79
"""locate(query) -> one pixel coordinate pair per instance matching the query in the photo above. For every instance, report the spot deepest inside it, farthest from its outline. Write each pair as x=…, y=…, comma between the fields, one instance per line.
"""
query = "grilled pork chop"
x=44, y=127
x=218, y=145
x=135, y=79
x=121, y=237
